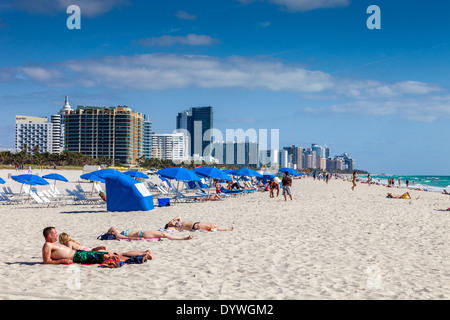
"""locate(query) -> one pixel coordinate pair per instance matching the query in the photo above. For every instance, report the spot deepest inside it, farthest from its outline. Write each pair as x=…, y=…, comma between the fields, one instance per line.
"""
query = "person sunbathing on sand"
x=178, y=224
x=212, y=197
x=406, y=195
x=64, y=239
x=141, y=235
x=55, y=253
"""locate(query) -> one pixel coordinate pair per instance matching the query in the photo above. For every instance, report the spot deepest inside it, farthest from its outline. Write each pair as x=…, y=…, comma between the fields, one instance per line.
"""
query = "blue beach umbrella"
x=92, y=177
x=179, y=174
x=55, y=177
x=2, y=181
x=213, y=173
x=289, y=170
x=136, y=174
x=246, y=172
x=30, y=179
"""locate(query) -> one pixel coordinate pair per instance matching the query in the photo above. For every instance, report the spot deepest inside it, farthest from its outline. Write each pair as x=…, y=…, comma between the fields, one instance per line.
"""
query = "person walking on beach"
x=355, y=176
x=286, y=183
x=369, y=179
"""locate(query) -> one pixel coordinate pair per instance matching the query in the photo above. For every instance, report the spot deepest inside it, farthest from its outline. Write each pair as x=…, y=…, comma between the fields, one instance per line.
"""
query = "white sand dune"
x=328, y=243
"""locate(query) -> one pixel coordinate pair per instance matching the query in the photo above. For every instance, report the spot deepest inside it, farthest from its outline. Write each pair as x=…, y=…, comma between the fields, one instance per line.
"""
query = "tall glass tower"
x=197, y=122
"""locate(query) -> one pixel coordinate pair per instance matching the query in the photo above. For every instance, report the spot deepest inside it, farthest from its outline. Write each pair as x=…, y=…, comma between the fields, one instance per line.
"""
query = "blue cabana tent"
x=268, y=176
x=123, y=193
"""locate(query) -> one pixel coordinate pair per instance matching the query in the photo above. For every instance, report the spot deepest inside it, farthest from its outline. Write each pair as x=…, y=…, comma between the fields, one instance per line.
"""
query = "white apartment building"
x=173, y=146
x=38, y=131
x=32, y=132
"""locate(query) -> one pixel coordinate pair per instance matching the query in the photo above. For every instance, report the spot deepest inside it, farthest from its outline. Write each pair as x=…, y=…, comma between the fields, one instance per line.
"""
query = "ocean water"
x=430, y=183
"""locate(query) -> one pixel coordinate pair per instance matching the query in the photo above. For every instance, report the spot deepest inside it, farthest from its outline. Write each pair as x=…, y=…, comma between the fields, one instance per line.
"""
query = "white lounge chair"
x=81, y=199
x=6, y=200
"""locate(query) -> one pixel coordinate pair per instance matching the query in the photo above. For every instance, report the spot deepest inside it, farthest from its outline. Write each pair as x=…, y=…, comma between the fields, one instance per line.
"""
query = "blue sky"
x=310, y=68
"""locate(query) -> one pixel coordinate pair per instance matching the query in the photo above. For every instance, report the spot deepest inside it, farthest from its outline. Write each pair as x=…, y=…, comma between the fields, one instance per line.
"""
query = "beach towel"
x=107, y=236
x=112, y=262
x=144, y=239
x=167, y=230
x=135, y=260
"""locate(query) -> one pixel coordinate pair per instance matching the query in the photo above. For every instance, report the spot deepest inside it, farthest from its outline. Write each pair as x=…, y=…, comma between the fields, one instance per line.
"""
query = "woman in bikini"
x=178, y=224
x=406, y=195
x=355, y=176
x=141, y=235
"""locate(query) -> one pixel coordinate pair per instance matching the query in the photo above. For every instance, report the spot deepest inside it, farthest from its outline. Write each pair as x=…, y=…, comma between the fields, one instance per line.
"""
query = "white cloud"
x=89, y=8
x=265, y=24
x=190, y=39
x=168, y=71
x=369, y=89
x=304, y=5
x=411, y=100
x=40, y=74
x=423, y=110
x=185, y=16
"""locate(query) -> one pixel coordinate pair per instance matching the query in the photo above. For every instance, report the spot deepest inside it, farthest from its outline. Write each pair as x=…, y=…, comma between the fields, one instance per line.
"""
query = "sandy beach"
x=328, y=243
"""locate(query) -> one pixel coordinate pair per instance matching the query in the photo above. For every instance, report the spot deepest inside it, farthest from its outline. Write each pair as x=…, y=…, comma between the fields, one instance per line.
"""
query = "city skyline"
x=65, y=129
x=312, y=69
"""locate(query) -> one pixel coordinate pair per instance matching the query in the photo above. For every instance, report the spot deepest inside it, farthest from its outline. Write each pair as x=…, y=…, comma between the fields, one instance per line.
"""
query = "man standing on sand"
x=286, y=182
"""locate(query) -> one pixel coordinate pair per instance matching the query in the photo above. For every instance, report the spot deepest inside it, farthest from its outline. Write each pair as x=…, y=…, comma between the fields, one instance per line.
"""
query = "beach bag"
x=106, y=236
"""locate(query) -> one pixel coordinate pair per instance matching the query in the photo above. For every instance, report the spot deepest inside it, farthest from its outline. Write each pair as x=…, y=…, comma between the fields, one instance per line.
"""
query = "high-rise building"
x=116, y=133
x=172, y=146
x=320, y=151
x=66, y=108
x=245, y=153
x=296, y=155
x=283, y=158
x=310, y=158
x=335, y=164
x=327, y=151
x=57, y=141
x=198, y=124
x=147, y=146
x=32, y=132
x=269, y=158
x=349, y=163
